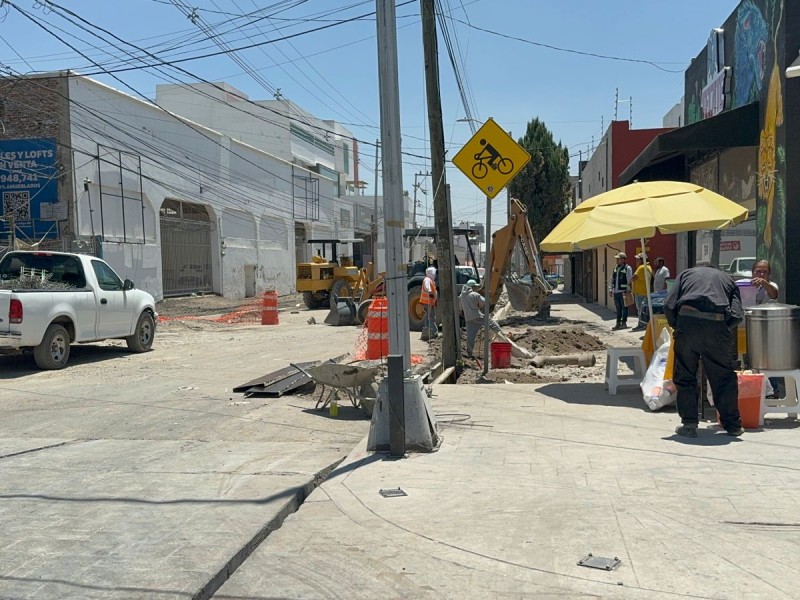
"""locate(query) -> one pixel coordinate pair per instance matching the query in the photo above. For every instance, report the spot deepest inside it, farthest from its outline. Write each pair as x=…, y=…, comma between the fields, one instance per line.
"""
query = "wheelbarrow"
x=349, y=379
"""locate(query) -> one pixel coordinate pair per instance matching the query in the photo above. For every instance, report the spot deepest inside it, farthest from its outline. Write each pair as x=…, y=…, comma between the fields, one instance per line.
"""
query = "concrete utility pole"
x=375, y=210
x=416, y=187
x=441, y=209
x=393, y=200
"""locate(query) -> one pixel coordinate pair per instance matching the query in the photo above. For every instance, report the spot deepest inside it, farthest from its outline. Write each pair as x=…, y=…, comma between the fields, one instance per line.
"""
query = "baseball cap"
x=472, y=283
x=620, y=255
x=639, y=255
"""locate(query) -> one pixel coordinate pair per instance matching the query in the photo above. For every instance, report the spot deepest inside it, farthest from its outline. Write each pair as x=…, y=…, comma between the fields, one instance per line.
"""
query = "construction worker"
x=428, y=298
x=618, y=288
x=471, y=304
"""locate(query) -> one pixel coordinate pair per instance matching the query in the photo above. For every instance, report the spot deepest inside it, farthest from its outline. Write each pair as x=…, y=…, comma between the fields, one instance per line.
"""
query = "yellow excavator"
x=322, y=279
x=350, y=303
x=527, y=293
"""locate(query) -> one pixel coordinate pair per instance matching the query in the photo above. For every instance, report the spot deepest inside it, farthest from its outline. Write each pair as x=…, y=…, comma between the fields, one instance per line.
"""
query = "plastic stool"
x=613, y=356
x=788, y=405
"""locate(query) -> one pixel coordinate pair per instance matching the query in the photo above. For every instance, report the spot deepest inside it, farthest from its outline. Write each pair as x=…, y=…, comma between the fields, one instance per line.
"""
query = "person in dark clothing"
x=619, y=285
x=704, y=308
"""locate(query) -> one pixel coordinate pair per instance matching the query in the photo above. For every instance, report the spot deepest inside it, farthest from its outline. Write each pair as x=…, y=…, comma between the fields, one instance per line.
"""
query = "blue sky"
x=333, y=72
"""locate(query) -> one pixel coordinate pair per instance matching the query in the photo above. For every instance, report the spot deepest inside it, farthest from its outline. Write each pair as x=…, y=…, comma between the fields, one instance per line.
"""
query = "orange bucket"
x=751, y=386
x=501, y=355
x=269, y=308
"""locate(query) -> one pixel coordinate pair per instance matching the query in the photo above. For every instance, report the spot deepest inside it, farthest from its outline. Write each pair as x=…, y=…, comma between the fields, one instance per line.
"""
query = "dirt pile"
x=555, y=341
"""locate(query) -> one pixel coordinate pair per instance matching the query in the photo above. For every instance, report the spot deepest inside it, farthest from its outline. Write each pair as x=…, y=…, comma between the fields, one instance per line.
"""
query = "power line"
x=571, y=50
x=91, y=27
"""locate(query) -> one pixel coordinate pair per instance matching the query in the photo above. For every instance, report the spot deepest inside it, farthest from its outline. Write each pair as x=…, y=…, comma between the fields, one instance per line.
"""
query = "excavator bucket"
x=344, y=313
x=528, y=294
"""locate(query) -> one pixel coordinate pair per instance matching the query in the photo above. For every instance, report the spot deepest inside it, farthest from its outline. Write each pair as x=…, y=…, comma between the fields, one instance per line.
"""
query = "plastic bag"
x=657, y=392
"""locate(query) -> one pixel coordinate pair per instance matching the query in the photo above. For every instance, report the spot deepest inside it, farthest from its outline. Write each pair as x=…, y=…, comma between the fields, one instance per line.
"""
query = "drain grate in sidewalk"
x=392, y=493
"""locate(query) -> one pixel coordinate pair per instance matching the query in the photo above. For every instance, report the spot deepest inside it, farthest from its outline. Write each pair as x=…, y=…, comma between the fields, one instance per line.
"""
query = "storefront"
x=742, y=139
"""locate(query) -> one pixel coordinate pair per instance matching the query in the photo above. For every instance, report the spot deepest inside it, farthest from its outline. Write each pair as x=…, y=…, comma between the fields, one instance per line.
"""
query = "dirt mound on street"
x=558, y=340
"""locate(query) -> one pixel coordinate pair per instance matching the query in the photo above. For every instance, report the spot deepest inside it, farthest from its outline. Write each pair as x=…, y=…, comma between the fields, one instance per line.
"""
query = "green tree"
x=543, y=186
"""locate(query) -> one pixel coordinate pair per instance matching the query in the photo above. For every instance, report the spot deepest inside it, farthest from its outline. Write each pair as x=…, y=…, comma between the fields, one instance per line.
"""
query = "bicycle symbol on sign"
x=490, y=157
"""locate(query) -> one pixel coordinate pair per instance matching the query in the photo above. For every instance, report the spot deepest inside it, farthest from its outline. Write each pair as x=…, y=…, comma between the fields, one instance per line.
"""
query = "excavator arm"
x=523, y=295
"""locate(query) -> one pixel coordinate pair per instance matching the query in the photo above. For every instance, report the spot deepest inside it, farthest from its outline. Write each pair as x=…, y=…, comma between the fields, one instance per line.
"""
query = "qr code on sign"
x=17, y=204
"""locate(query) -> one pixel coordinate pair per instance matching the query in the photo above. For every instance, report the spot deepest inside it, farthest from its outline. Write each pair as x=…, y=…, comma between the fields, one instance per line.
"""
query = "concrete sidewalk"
x=529, y=480
x=143, y=476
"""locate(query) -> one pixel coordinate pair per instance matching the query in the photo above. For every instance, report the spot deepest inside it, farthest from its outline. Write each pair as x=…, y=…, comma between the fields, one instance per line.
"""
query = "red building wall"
x=627, y=144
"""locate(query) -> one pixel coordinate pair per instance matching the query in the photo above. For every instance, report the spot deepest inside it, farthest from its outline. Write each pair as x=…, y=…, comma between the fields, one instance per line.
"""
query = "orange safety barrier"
x=378, y=329
x=269, y=308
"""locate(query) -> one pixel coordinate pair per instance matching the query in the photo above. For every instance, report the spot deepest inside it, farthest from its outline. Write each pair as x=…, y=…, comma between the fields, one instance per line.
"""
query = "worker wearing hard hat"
x=428, y=298
x=471, y=303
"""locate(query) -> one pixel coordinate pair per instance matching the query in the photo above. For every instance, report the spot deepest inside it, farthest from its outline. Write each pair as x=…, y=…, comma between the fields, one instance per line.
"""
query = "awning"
x=729, y=129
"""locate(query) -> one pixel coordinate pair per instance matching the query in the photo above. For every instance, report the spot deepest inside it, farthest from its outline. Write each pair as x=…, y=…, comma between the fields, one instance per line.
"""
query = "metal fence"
x=185, y=256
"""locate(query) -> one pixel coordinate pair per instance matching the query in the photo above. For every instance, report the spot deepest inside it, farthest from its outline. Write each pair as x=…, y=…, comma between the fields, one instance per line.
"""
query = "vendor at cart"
x=767, y=290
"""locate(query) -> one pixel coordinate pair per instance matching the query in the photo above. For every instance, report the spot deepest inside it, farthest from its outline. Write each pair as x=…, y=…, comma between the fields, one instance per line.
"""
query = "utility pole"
x=416, y=187
x=393, y=199
x=441, y=208
x=375, y=210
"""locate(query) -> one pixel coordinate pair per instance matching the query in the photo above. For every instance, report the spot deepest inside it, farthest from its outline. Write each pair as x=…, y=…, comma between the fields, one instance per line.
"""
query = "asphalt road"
x=144, y=476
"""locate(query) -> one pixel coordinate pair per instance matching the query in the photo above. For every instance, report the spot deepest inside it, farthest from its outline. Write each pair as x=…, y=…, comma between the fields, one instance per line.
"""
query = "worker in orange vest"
x=428, y=299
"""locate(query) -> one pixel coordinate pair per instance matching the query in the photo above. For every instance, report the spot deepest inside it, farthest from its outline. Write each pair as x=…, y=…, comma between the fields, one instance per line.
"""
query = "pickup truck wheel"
x=142, y=338
x=53, y=352
x=416, y=310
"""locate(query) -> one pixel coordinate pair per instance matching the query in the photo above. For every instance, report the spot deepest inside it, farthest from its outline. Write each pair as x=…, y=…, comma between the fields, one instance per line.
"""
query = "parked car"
x=464, y=273
x=742, y=267
x=79, y=299
x=553, y=279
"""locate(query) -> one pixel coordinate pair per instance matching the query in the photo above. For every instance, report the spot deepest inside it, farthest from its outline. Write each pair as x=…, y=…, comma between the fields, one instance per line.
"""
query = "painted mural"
x=772, y=155
x=695, y=76
x=750, y=54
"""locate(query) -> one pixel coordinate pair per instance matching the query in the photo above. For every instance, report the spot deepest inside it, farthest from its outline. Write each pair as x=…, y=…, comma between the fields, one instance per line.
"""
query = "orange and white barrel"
x=269, y=308
x=378, y=329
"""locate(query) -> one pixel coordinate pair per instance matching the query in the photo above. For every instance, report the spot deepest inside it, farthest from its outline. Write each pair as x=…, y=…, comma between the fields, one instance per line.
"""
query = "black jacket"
x=708, y=290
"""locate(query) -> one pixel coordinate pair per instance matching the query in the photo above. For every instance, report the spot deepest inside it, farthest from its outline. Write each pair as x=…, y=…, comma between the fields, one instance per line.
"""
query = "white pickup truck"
x=91, y=304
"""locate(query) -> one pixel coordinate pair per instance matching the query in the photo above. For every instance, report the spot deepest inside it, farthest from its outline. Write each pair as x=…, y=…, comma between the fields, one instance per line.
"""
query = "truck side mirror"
x=127, y=285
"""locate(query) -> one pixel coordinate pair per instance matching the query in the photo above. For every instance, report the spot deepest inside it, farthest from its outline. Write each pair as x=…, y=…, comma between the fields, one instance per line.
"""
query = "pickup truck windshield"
x=55, y=268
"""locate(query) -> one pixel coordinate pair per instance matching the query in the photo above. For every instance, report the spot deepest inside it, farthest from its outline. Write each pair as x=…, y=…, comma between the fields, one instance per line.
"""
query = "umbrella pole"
x=652, y=322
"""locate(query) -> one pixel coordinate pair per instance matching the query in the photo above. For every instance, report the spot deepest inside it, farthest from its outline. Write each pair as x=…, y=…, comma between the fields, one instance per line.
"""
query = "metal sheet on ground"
x=282, y=381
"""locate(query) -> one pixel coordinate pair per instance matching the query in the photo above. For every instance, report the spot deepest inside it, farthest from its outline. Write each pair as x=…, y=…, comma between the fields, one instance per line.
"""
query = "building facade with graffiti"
x=741, y=139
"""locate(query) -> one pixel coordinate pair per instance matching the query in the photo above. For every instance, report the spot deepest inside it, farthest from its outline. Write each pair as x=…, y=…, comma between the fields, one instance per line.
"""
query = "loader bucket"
x=528, y=294
x=343, y=314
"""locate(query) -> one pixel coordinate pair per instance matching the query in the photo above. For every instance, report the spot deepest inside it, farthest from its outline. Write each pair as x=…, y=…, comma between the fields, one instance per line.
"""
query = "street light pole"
x=393, y=199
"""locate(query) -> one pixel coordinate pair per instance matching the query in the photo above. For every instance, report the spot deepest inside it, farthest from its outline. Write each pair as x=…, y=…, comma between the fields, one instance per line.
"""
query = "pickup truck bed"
x=48, y=300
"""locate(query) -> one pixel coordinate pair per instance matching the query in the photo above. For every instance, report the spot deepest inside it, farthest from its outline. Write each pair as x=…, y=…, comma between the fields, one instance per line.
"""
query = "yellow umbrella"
x=639, y=210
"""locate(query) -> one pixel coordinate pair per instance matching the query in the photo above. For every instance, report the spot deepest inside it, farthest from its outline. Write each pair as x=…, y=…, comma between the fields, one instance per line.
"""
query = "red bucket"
x=501, y=355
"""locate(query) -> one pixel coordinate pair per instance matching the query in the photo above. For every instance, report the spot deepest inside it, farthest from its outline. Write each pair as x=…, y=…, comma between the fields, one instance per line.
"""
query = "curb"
x=290, y=506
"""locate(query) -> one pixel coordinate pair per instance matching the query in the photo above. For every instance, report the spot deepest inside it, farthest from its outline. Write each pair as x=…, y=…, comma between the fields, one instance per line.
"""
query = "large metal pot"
x=773, y=336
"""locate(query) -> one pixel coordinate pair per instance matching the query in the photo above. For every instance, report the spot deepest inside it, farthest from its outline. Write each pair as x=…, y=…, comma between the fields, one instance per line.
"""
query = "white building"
x=283, y=129
x=222, y=200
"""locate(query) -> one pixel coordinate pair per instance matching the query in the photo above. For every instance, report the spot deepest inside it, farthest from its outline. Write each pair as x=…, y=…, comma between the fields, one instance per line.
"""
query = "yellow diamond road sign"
x=491, y=158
